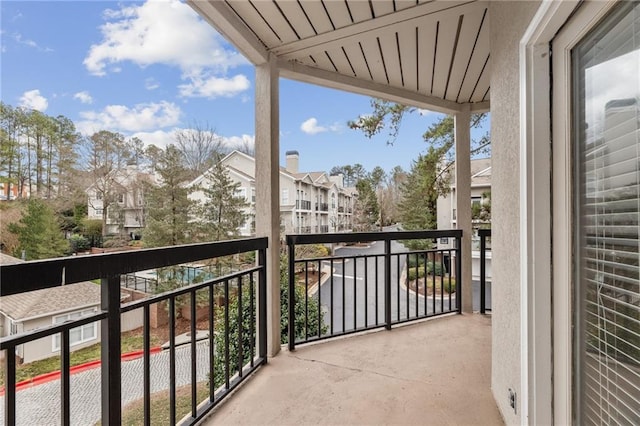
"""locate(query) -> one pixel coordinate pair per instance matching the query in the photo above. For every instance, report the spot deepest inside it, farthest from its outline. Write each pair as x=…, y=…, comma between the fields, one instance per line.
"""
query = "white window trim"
x=84, y=312
x=546, y=397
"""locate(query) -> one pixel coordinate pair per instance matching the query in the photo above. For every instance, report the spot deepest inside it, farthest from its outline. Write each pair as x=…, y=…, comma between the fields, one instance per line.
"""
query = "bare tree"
x=108, y=155
x=200, y=146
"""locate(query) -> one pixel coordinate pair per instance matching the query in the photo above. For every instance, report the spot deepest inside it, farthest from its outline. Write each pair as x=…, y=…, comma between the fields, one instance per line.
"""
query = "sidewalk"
x=40, y=404
x=55, y=375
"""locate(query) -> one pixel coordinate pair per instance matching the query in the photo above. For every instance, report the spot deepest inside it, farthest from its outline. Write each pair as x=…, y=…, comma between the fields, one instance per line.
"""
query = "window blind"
x=607, y=220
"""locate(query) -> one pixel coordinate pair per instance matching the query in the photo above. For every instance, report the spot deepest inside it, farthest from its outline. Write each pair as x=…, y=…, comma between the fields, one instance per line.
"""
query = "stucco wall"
x=509, y=20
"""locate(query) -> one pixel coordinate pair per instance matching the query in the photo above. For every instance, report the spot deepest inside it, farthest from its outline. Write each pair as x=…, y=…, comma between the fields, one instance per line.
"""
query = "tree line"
x=46, y=166
x=46, y=158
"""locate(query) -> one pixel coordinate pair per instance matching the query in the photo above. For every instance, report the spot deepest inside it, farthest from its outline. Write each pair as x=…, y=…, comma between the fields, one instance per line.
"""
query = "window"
x=253, y=195
x=241, y=193
x=121, y=198
x=476, y=201
x=285, y=196
x=606, y=110
x=78, y=335
x=98, y=195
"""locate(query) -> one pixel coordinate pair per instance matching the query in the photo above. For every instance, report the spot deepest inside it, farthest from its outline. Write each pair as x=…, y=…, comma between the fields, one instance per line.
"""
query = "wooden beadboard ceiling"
x=436, y=49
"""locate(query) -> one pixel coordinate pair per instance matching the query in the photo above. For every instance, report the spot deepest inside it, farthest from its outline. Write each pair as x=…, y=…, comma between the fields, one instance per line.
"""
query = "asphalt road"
x=360, y=278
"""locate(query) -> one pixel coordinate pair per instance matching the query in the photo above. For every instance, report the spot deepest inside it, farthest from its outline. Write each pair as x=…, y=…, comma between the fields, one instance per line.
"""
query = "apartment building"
x=310, y=202
x=124, y=190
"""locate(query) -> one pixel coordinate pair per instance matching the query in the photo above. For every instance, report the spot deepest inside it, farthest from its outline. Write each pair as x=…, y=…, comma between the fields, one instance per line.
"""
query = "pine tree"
x=223, y=211
x=167, y=205
x=38, y=233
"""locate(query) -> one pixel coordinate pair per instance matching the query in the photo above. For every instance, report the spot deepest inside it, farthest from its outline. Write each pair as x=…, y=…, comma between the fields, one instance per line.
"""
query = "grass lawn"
x=133, y=414
x=131, y=341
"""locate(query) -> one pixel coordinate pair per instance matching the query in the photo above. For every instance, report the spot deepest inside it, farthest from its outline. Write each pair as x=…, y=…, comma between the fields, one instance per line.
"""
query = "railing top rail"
x=484, y=232
x=354, y=237
x=41, y=274
x=130, y=306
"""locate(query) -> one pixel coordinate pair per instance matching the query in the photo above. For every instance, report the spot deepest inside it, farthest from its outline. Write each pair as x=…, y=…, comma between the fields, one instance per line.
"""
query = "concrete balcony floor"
x=437, y=372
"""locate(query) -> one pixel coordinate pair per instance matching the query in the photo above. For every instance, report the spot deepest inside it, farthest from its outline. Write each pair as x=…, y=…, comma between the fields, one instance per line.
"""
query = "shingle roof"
x=5, y=259
x=47, y=301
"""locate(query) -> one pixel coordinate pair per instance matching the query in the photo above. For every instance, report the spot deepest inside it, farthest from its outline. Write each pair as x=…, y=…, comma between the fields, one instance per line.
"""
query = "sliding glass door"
x=606, y=147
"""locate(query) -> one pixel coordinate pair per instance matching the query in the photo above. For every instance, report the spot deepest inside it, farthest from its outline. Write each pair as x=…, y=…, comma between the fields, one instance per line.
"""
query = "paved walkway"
x=40, y=405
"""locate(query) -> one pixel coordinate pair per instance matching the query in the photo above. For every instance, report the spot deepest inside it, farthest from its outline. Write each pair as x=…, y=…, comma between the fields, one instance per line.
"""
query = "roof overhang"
x=428, y=54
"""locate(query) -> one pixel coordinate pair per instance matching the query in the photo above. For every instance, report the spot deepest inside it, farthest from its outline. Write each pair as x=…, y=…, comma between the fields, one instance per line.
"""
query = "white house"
x=40, y=308
x=310, y=202
x=125, y=189
x=560, y=79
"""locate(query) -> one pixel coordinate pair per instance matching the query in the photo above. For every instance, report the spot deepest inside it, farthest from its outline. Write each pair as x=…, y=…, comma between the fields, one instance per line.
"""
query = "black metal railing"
x=484, y=234
x=323, y=207
x=134, y=282
x=235, y=312
x=303, y=204
x=374, y=282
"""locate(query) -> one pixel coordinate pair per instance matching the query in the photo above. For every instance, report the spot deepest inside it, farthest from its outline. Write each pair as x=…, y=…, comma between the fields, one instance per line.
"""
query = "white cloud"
x=163, y=138
x=32, y=99
x=311, y=127
x=151, y=83
x=160, y=31
x=83, y=97
x=239, y=142
x=27, y=42
x=214, y=87
x=139, y=118
x=159, y=138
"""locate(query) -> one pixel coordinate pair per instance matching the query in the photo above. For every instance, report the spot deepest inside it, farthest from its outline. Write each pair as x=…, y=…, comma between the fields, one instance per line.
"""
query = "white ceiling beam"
x=307, y=74
x=355, y=31
x=227, y=23
x=483, y=106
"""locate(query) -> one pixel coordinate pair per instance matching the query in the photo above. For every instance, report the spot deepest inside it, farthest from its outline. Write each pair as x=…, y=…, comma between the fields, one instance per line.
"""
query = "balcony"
x=427, y=368
x=434, y=372
x=322, y=207
x=303, y=204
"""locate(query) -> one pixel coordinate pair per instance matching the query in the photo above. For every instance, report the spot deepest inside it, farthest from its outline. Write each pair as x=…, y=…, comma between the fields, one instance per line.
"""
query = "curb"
x=54, y=375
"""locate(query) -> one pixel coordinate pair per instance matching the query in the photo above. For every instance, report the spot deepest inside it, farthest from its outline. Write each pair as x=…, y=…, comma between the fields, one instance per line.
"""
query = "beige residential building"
x=310, y=202
x=480, y=194
x=126, y=210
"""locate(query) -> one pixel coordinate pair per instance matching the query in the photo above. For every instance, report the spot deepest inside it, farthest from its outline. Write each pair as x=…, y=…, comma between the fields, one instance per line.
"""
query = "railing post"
x=459, y=274
x=110, y=350
x=262, y=304
x=292, y=295
x=387, y=283
x=10, y=386
x=483, y=279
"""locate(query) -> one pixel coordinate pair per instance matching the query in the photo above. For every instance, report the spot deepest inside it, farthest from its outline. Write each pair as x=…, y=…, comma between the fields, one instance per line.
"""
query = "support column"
x=462, y=122
x=267, y=147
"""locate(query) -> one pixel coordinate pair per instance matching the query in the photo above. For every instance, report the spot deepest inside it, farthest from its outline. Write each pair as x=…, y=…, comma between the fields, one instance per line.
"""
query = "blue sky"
x=147, y=68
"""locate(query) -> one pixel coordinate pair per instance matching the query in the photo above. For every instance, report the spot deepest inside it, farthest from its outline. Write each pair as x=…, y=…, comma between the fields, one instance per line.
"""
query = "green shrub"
x=415, y=259
x=431, y=269
x=78, y=243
